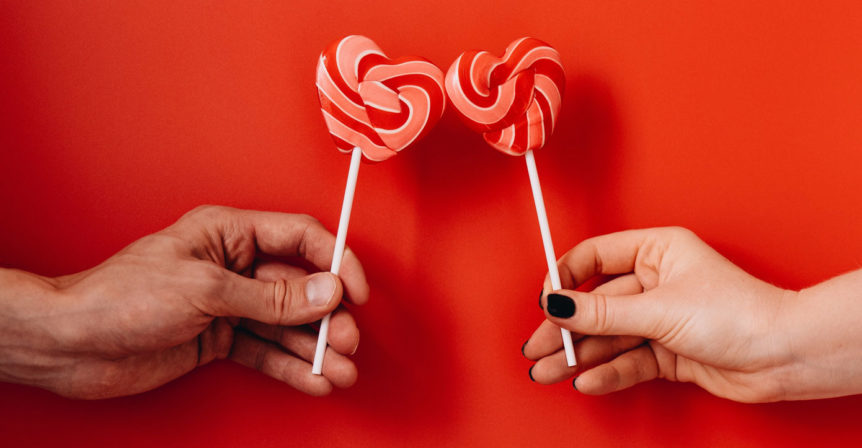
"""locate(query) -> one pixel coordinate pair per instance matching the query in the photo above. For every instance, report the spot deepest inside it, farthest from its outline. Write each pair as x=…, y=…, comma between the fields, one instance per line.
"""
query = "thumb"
x=281, y=302
x=599, y=314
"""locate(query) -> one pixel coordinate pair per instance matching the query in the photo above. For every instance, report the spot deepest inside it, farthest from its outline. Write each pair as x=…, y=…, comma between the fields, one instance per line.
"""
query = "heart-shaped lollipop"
x=377, y=104
x=373, y=106
x=514, y=100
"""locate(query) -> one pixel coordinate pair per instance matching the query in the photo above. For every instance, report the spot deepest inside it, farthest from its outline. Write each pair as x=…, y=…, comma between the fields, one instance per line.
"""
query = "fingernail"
x=574, y=383
x=530, y=372
x=319, y=289
x=355, y=348
x=541, y=293
x=522, y=349
x=560, y=305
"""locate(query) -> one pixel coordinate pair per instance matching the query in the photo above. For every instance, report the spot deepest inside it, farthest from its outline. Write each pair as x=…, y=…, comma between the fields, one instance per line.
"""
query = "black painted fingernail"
x=560, y=305
x=574, y=383
x=541, y=294
x=522, y=349
x=531, y=373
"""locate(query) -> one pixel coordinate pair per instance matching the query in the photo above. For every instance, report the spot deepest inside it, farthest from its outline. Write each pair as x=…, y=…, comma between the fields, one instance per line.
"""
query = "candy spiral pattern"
x=514, y=100
x=377, y=104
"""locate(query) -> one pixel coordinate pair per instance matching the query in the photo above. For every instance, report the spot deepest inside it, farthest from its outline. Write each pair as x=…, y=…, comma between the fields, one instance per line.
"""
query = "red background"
x=740, y=120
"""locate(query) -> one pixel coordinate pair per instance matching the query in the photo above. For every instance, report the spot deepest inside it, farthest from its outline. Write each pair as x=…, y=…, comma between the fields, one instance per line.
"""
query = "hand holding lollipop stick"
x=373, y=106
x=514, y=102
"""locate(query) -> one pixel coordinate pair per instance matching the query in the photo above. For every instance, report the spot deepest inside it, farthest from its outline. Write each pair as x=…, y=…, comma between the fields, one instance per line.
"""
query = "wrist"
x=780, y=366
x=825, y=340
x=28, y=310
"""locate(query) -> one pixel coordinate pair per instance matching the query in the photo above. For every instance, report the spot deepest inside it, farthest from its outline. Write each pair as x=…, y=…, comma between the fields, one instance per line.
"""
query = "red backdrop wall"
x=740, y=120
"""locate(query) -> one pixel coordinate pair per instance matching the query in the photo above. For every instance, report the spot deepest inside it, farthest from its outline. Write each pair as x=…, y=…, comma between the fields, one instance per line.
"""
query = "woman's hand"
x=678, y=310
x=205, y=288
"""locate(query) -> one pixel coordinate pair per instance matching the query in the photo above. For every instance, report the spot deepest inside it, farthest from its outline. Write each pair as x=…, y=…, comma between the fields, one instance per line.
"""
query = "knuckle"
x=279, y=302
x=597, y=259
x=307, y=219
x=163, y=241
x=642, y=371
x=208, y=209
x=613, y=380
x=681, y=232
x=261, y=358
x=197, y=211
x=667, y=366
x=222, y=339
x=602, y=317
x=312, y=230
x=205, y=212
x=201, y=213
x=587, y=246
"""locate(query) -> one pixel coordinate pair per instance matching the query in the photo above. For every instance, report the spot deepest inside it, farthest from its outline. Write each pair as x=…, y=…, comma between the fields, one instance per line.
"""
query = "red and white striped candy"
x=514, y=100
x=377, y=104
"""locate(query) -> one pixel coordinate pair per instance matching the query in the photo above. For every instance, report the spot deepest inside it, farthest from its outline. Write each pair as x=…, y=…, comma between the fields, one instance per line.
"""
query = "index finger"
x=243, y=233
x=636, y=251
x=283, y=234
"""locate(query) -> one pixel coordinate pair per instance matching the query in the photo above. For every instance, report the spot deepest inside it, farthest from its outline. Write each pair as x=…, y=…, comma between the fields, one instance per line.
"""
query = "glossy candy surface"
x=514, y=100
x=378, y=104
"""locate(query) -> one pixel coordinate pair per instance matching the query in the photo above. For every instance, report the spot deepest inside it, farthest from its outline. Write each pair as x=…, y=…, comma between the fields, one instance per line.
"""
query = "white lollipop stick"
x=338, y=253
x=553, y=271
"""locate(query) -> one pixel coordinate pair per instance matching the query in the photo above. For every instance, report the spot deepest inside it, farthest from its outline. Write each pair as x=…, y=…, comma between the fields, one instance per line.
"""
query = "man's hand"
x=210, y=286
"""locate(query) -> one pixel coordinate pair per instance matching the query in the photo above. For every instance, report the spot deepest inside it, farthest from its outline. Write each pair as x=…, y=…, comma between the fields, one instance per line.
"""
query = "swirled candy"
x=513, y=101
x=377, y=104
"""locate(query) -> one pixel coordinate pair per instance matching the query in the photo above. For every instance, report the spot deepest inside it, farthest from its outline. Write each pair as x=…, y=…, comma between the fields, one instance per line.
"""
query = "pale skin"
x=676, y=309
x=207, y=287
